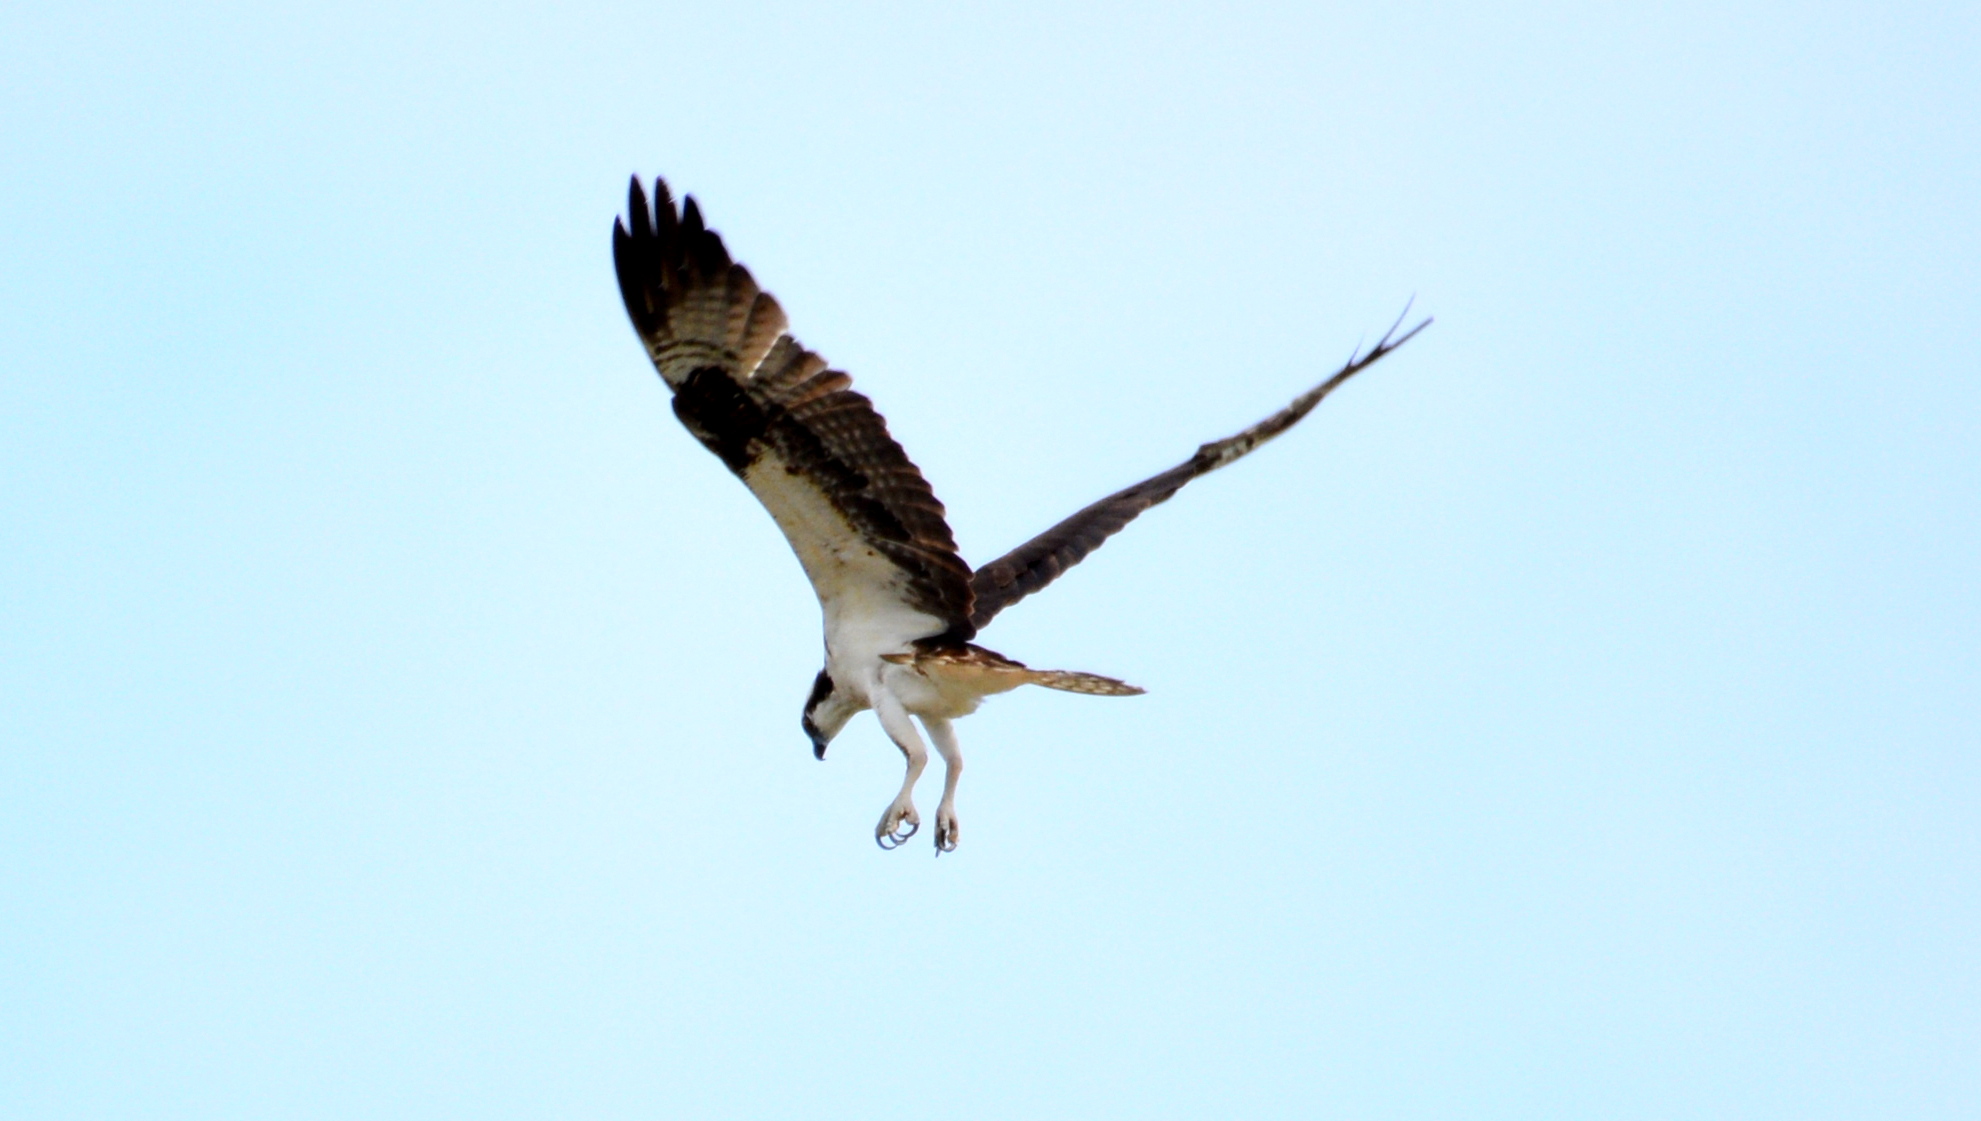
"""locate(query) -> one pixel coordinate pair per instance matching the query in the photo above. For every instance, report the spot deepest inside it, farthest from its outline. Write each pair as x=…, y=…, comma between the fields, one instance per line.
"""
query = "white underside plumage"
x=862, y=593
x=870, y=635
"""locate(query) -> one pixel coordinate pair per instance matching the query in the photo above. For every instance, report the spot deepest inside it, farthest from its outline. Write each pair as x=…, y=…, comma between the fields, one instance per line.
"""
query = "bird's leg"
x=900, y=821
x=944, y=736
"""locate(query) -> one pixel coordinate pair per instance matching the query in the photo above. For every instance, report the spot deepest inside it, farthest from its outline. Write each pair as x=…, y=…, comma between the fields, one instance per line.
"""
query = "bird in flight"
x=901, y=607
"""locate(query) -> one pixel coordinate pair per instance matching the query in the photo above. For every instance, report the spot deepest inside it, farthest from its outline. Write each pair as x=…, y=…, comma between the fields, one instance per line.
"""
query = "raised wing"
x=1041, y=560
x=861, y=518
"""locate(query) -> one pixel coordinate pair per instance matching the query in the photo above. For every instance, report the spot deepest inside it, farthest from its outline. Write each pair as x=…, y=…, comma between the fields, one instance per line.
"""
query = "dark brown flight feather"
x=1045, y=558
x=743, y=386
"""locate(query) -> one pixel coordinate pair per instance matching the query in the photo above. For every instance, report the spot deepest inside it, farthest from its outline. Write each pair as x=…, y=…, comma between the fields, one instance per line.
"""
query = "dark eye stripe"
x=821, y=689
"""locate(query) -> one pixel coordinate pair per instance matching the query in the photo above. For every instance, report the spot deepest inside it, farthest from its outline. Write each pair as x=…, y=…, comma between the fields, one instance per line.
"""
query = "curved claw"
x=945, y=837
x=896, y=838
x=899, y=823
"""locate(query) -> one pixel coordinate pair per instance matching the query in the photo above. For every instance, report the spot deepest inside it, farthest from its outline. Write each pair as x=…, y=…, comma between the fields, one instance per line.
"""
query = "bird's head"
x=826, y=711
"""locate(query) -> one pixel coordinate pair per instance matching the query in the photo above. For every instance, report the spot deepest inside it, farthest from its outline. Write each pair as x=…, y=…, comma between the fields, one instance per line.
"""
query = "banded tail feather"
x=988, y=672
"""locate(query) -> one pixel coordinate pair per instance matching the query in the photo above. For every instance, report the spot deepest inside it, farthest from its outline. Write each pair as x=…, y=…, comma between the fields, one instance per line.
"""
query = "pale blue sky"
x=1576, y=717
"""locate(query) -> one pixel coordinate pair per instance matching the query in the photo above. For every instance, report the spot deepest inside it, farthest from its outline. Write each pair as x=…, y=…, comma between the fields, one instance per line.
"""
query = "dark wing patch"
x=744, y=387
x=1044, y=558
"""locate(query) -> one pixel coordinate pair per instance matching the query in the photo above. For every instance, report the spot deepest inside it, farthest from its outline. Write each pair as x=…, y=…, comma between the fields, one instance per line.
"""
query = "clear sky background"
x=1576, y=717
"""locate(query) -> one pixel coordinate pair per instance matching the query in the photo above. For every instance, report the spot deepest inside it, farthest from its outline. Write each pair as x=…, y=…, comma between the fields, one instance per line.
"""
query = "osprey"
x=900, y=605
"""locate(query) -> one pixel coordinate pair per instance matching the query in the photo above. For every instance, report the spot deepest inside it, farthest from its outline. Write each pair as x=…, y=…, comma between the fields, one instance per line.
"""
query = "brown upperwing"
x=1044, y=558
x=743, y=386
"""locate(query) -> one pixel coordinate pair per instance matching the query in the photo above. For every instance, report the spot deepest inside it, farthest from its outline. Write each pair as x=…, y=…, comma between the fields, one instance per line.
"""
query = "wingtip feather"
x=636, y=209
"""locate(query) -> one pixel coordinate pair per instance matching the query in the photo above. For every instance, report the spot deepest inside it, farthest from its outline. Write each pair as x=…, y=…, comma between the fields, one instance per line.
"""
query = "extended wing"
x=864, y=523
x=1041, y=560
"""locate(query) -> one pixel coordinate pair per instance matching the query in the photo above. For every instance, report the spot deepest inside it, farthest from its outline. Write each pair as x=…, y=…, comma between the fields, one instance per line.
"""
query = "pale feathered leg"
x=894, y=719
x=946, y=829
